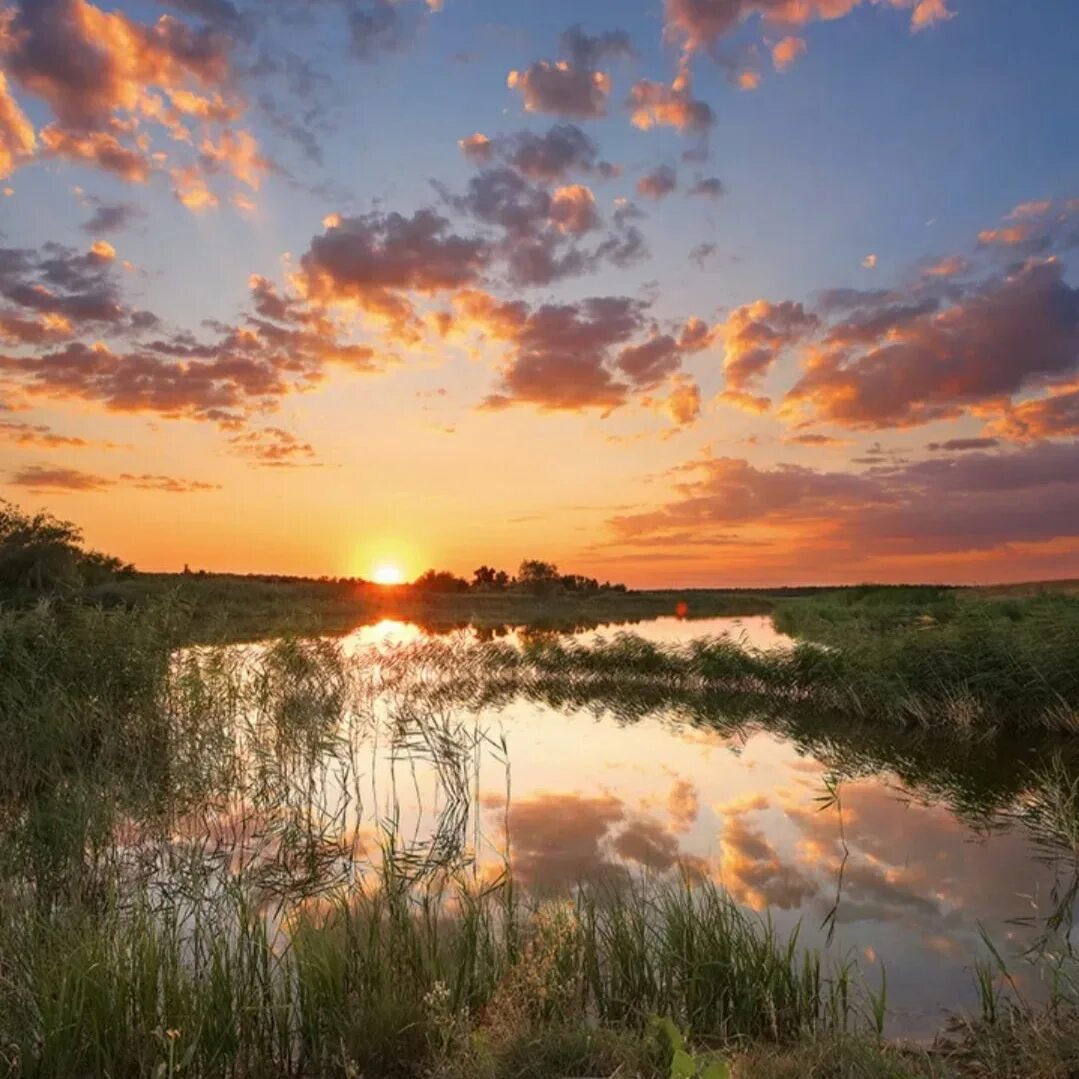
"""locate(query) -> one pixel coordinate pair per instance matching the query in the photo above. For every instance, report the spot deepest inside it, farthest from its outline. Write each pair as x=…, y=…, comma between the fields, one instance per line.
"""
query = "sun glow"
x=388, y=573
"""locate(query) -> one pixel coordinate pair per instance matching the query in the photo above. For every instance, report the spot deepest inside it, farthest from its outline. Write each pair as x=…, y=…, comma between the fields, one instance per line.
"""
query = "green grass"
x=133, y=944
x=974, y=668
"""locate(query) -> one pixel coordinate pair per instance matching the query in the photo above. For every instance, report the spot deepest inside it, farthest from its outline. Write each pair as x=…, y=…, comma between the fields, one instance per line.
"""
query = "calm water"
x=916, y=847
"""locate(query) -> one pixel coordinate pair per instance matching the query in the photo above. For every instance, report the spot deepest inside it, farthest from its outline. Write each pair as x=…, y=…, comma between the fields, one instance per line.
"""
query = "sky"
x=677, y=292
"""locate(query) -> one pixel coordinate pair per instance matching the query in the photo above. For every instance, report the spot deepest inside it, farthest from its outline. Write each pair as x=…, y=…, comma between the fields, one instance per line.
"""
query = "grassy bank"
x=961, y=666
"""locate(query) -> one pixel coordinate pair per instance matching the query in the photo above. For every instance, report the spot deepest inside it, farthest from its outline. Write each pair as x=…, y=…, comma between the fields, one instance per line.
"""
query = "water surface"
x=893, y=849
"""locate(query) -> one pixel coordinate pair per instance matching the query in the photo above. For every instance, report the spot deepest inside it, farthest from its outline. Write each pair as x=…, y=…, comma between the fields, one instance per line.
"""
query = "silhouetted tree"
x=40, y=553
x=539, y=578
x=486, y=578
x=440, y=581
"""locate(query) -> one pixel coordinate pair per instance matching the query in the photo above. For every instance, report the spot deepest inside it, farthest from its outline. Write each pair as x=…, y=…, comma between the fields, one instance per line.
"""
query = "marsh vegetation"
x=518, y=845
x=300, y=859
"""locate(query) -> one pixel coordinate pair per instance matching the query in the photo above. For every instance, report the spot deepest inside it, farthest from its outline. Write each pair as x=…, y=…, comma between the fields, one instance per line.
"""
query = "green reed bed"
x=979, y=672
x=388, y=981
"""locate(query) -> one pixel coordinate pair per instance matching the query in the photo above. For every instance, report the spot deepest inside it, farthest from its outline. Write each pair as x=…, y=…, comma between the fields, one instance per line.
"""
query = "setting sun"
x=388, y=573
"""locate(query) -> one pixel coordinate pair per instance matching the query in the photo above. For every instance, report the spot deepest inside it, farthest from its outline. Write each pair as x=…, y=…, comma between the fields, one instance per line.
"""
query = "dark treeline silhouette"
x=42, y=555
x=534, y=577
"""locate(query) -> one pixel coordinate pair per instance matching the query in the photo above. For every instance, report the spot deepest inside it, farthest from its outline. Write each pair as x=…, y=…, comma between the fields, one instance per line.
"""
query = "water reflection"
x=755, y=631
x=297, y=766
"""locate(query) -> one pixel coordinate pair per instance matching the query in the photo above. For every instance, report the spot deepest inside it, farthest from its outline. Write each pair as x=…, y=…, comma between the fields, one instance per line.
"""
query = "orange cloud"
x=191, y=189
x=653, y=104
x=104, y=76
x=17, y=140
x=786, y=51
x=700, y=24
x=39, y=478
x=755, y=335
x=100, y=148
x=573, y=209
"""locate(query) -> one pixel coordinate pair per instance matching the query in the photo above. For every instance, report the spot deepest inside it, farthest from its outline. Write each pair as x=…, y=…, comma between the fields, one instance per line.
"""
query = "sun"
x=388, y=573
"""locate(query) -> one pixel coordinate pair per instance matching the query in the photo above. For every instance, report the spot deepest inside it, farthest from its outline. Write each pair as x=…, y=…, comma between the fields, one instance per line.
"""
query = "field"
x=180, y=896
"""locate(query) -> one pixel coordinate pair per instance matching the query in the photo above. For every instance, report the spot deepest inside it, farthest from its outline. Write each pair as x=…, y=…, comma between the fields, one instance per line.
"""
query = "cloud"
x=60, y=290
x=949, y=266
x=43, y=436
x=703, y=253
x=573, y=87
x=1055, y=415
x=711, y=187
x=538, y=230
x=595, y=353
x=109, y=216
x=559, y=88
x=553, y=156
x=901, y=364
x=647, y=843
x=657, y=184
x=649, y=363
x=477, y=147
x=755, y=335
x=963, y=445
x=683, y=805
x=39, y=478
x=17, y=139
x=274, y=447
x=384, y=26
x=558, y=840
x=815, y=440
x=99, y=148
x=377, y=261
x=786, y=51
x=952, y=504
x=700, y=25
x=563, y=354
x=590, y=51
x=281, y=346
x=1034, y=228
x=109, y=80
x=219, y=13
x=654, y=104
x=683, y=404
x=573, y=209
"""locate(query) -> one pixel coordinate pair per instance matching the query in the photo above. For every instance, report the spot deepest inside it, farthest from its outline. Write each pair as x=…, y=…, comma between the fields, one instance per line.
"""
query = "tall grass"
x=180, y=896
x=980, y=672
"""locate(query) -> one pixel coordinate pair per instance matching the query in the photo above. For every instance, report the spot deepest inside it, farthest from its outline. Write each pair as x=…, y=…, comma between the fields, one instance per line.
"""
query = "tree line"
x=534, y=577
x=43, y=555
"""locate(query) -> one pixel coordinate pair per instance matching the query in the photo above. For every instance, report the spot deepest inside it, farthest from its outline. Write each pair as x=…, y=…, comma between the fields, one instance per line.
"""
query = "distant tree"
x=539, y=578
x=574, y=582
x=40, y=554
x=440, y=581
x=484, y=577
x=488, y=579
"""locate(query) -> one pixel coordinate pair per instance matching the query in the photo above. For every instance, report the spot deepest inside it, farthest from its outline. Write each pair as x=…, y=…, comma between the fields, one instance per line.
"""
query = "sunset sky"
x=680, y=292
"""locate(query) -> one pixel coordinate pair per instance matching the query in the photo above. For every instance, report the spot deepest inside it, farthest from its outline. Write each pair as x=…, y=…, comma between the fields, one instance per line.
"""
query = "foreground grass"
x=454, y=981
x=131, y=944
x=384, y=982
